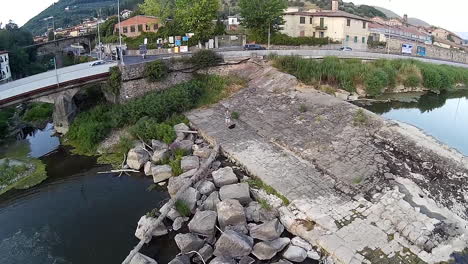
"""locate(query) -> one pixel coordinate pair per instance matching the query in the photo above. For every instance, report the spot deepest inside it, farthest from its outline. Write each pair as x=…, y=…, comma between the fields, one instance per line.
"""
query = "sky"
x=20, y=11
x=449, y=14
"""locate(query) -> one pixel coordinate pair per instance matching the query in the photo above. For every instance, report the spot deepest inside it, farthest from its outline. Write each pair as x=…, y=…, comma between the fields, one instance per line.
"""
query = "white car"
x=346, y=49
x=96, y=63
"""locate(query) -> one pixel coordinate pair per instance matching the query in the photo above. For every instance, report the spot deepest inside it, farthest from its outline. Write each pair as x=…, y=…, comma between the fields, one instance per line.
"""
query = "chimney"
x=405, y=19
x=335, y=5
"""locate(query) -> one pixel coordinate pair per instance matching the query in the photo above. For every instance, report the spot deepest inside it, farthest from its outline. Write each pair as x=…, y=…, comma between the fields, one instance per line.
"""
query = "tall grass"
x=93, y=126
x=375, y=77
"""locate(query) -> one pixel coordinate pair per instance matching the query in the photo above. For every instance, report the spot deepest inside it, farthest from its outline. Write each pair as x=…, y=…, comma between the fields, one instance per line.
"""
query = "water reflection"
x=442, y=116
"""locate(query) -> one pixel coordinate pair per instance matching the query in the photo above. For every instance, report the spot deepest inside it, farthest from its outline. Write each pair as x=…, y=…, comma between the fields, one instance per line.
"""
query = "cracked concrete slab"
x=376, y=189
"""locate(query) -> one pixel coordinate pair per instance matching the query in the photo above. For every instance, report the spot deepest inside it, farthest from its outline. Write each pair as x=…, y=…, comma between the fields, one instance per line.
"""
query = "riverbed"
x=77, y=215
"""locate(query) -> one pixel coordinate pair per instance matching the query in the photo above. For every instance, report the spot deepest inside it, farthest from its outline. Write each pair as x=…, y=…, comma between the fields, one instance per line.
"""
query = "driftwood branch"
x=195, y=178
x=117, y=171
x=187, y=131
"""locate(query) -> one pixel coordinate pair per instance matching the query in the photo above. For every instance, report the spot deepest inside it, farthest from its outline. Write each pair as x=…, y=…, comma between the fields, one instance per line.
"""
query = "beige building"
x=351, y=30
x=443, y=34
x=133, y=27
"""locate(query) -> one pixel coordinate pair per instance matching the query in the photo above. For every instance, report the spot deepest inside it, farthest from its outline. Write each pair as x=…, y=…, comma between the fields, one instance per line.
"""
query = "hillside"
x=412, y=20
x=78, y=10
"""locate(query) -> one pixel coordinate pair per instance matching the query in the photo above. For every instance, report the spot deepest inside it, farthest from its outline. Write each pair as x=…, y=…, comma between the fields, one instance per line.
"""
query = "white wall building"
x=5, y=71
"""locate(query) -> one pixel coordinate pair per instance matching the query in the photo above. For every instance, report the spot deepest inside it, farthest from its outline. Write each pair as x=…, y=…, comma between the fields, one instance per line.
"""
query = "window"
x=132, y=28
x=7, y=70
x=155, y=26
x=313, y=35
x=140, y=28
x=322, y=22
x=310, y=21
x=364, y=24
x=322, y=34
x=363, y=39
x=148, y=28
x=355, y=39
x=125, y=29
x=348, y=22
x=302, y=20
x=347, y=37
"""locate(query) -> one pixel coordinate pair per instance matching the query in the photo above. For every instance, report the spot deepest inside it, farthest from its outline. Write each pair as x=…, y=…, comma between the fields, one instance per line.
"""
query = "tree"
x=107, y=28
x=259, y=15
x=196, y=16
x=163, y=9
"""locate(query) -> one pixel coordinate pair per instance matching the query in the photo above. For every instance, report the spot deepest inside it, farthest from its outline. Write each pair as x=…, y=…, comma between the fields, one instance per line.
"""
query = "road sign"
x=185, y=38
x=178, y=42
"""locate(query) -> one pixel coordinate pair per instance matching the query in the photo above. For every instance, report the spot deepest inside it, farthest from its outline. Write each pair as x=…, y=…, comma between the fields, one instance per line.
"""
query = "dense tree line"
x=23, y=62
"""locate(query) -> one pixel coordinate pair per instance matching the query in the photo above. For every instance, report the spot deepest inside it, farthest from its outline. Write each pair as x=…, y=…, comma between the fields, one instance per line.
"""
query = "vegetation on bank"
x=5, y=117
x=93, y=126
x=21, y=176
x=38, y=112
x=375, y=77
x=285, y=40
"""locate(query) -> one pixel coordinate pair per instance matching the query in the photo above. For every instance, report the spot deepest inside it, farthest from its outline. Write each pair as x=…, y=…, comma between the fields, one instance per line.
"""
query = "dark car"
x=253, y=47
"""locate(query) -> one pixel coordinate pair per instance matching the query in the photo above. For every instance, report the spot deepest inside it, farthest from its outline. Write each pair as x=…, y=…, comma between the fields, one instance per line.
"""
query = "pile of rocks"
x=150, y=157
x=226, y=225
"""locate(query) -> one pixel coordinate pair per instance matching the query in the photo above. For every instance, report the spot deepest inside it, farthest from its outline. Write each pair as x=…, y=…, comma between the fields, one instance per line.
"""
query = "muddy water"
x=76, y=215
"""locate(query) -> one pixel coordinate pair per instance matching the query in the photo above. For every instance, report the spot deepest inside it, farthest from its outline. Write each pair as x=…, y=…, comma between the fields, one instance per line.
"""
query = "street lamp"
x=120, y=33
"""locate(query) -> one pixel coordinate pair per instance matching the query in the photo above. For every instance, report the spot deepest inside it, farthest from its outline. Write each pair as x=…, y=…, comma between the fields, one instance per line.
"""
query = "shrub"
x=412, y=81
x=38, y=112
x=235, y=115
x=205, y=58
x=5, y=116
x=115, y=81
x=148, y=128
x=302, y=108
x=182, y=208
x=283, y=39
x=376, y=82
x=156, y=71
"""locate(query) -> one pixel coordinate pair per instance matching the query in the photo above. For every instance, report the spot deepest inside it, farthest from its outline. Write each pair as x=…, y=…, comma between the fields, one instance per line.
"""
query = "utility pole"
x=99, y=36
x=269, y=34
x=120, y=33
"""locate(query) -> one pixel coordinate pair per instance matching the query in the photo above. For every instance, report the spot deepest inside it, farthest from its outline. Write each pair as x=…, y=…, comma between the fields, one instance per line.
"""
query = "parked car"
x=96, y=63
x=253, y=47
x=346, y=49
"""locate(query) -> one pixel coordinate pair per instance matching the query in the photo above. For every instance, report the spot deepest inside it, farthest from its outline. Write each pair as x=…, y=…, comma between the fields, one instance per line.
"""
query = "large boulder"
x=267, y=231
x=203, y=153
x=188, y=174
x=179, y=129
x=159, y=155
x=246, y=260
x=211, y=202
x=224, y=176
x=234, y=245
x=223, y=260
x=139, y=258
x=190, y=163
x=297, y=241
x=173, y=214
x=136, y=158
x=188, y=242
x=239, y=191
x=203, y=223
x=179, y=222
x=206, y=187
x=256, y=213
x=190, y=196
x=157, y=145
x=185, y=145
x=148, y=169
x=161, y=173
x=182, y=259
x=175, y=184
x=230, y=212
x=145, y=224
x=267, y=250
x=295, y=254
x=206, y=252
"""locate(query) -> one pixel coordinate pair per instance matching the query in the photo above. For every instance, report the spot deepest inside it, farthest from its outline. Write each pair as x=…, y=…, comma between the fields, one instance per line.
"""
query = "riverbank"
x=372, y=78
x=345, y=169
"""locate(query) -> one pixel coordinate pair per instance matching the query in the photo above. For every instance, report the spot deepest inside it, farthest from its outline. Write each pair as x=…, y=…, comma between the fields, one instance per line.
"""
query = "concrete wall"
x=134, y=84
x=432, y=51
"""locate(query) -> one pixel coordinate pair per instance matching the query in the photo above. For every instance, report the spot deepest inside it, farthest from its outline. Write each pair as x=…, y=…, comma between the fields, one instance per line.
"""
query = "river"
x=76, y=215
x=444, y=116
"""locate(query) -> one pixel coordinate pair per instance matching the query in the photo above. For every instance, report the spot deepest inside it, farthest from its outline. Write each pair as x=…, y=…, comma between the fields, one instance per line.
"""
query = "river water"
x=76, y=215
x=444, y=116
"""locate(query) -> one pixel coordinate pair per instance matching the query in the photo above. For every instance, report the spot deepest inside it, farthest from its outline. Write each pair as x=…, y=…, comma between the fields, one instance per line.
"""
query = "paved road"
x=49, y=78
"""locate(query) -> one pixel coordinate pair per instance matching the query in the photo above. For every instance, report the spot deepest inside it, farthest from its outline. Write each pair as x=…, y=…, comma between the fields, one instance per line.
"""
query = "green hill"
x=78, y=10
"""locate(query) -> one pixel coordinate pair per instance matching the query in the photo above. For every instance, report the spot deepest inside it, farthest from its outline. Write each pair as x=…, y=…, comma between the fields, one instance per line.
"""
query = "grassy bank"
x=147, y=117
x=22, y=173
x=375, y=77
